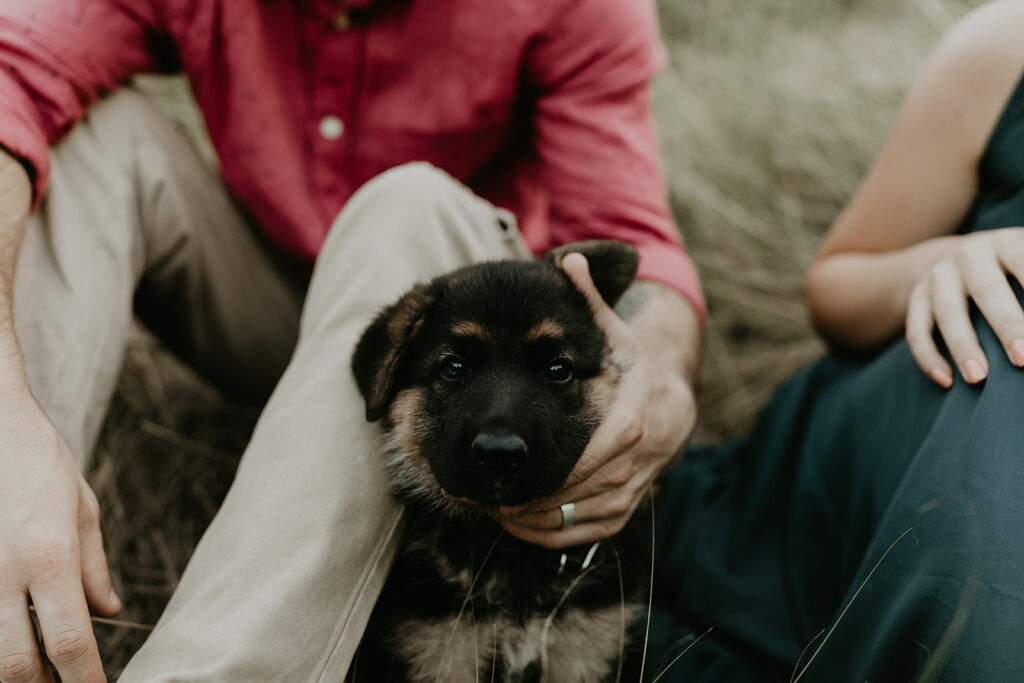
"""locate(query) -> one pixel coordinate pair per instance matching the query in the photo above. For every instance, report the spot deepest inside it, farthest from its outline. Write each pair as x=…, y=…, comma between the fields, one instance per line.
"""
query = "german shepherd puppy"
x=489, y=382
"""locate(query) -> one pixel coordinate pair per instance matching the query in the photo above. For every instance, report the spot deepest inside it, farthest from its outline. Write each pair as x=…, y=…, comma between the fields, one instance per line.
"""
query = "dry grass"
x=769, y=115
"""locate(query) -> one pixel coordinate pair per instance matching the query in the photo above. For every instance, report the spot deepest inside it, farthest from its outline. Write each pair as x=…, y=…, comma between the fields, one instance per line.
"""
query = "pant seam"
x=353, y=607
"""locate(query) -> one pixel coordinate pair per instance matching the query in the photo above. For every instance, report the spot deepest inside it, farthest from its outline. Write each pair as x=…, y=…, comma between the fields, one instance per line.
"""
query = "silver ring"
x=568, y=515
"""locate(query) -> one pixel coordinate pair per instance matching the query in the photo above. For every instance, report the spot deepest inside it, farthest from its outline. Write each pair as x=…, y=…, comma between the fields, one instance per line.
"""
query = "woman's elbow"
x=835, y=310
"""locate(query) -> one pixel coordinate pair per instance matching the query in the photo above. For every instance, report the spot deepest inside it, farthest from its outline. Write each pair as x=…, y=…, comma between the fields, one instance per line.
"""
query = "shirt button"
x=331, y=127
x=341, y=21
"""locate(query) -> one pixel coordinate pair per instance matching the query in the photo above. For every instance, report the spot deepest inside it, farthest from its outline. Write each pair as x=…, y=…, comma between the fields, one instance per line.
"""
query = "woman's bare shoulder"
x=925, y=178
x=980, y=61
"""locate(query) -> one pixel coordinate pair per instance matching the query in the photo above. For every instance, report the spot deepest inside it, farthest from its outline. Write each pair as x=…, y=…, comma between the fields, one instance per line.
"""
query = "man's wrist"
x=666, y=325
x=15, y=202
x=15, y=189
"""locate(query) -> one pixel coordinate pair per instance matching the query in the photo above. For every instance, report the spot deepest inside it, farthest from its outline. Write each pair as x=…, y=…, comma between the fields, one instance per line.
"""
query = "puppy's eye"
x=453, y=369
x=559, y=371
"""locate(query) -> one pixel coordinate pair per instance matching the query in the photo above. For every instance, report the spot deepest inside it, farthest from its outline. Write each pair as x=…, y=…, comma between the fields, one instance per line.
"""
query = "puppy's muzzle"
x=498, y=454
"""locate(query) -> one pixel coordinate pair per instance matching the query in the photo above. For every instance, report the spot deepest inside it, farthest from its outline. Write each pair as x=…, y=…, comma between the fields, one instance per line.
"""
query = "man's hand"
x=51, y=552
x=645, y=429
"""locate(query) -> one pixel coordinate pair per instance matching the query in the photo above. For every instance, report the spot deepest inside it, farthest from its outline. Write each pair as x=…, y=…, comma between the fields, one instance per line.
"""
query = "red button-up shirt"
x=542, y=107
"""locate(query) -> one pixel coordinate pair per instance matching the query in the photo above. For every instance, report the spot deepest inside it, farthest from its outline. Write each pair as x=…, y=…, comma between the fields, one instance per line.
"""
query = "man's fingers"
x=99, y=592
x=612, y=475
x=620, y=431
x=580, y=534
x=606, y=505
x=609, y=468
x=576, y=267
x=919, y=327
x=613, y=492
x=949, y=306
x=20, y=660
x=64, y=616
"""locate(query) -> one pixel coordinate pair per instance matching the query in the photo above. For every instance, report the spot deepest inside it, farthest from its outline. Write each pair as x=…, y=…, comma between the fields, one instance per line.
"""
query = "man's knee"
x=417, y=198
x=119, y=124
x=417, y=183
x=421, y=210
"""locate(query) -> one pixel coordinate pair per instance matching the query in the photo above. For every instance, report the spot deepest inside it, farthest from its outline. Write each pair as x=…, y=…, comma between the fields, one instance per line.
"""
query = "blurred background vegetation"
x=769, y=115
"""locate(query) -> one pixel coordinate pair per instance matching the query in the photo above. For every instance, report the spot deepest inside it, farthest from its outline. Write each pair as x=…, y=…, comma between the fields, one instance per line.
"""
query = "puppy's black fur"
x=490, y=382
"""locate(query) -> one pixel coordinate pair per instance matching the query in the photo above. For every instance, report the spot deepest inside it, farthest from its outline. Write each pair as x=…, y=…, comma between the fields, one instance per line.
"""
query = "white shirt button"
x=331, y=127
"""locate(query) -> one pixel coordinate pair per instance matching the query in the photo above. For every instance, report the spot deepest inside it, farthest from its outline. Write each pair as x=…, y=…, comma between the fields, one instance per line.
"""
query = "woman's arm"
x=899, y=225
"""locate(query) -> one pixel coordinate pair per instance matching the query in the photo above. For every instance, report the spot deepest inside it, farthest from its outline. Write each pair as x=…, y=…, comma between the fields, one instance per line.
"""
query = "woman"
x=871, y=527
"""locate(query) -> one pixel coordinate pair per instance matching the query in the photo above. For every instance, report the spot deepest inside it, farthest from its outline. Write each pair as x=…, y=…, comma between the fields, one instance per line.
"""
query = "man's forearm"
x=665, y=323
x=15, y=202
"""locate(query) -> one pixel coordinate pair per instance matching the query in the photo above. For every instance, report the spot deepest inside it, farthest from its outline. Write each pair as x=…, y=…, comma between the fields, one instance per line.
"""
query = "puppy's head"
x=490, y=380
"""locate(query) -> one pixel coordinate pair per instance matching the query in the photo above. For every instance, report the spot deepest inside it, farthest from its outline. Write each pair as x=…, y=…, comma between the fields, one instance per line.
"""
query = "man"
x=542, y=109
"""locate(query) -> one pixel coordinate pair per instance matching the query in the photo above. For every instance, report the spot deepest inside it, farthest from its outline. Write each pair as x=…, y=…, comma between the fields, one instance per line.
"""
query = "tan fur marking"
x=582, y=645
x=406, y=411
x=600, y=391
x=546, y=329
x=408, y=466
x=468, y=328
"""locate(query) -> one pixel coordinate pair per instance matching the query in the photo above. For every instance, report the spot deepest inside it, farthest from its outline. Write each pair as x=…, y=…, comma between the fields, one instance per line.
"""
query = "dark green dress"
x=767, y=540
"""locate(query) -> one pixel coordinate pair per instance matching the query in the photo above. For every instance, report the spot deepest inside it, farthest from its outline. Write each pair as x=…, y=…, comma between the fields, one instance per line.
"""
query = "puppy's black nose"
x=499, y=454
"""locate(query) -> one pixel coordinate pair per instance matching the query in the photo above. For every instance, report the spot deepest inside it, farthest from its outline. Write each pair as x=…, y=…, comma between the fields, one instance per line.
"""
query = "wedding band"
x=568, y=515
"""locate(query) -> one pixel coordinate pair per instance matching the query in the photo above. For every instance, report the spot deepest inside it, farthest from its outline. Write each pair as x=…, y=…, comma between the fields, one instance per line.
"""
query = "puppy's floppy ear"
x=380, y=350
x=612, y=264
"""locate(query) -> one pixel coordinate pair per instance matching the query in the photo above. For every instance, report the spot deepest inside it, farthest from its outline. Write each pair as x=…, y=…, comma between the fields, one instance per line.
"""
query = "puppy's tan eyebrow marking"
x=546, y=329
x=469, y=328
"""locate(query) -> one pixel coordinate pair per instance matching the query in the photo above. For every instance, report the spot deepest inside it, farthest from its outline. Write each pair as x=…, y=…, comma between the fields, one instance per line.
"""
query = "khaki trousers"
x=283, y=582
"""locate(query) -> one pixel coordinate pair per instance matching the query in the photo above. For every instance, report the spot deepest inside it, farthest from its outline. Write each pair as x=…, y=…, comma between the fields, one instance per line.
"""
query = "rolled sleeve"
x=594, y=138
x=671, y=266
x=56, y=58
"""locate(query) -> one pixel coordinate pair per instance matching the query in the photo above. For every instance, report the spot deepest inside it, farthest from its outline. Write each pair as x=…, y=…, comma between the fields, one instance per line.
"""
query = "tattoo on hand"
x=634, y=299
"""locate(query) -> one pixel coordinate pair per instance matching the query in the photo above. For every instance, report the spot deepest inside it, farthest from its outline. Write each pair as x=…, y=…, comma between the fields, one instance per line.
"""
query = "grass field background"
x=769, y=114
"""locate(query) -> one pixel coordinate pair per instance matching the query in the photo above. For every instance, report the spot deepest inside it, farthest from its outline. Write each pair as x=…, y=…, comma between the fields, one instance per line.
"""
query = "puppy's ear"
x=380, y=350
x=612, y=264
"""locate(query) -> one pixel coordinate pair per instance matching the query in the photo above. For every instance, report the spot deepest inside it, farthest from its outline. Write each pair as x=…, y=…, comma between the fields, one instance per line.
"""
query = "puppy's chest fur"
x=466, y=603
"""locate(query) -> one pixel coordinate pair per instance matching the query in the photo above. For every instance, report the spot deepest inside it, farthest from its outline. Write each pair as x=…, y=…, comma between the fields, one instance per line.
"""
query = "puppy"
x=489, y=382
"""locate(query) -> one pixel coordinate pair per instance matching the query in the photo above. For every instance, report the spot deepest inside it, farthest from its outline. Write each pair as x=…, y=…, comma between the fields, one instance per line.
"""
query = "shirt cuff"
x=23, y=136
x=669, y=265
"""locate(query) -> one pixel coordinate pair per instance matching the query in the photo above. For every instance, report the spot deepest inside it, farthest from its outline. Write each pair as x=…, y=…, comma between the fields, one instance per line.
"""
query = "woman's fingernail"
x=973, y=371
x=1017, y=349
x=115, y=600
x=942, y=377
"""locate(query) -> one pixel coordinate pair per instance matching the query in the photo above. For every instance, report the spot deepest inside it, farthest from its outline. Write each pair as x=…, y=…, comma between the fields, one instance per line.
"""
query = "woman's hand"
x=978, y=270
x=645, y=430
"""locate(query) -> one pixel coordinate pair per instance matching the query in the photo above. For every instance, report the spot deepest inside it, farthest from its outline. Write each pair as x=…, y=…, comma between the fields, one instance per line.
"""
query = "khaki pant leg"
x=282, y=584
x=131, y=205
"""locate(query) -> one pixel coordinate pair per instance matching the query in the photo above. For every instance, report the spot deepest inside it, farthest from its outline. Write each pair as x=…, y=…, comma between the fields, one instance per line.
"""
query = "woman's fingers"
x=988, y=286
x=949, y=307
x=919, y=326
x=980, y=272
x=1011, y=258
